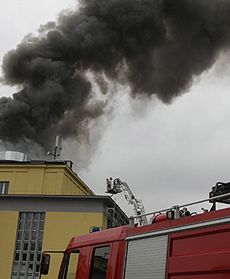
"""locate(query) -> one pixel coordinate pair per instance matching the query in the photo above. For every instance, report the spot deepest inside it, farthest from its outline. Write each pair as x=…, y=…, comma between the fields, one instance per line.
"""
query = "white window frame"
x=4, y=187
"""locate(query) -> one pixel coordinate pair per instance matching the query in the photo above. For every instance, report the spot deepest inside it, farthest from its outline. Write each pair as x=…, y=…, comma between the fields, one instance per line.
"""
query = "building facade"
x=42, y=206
x=41, y=177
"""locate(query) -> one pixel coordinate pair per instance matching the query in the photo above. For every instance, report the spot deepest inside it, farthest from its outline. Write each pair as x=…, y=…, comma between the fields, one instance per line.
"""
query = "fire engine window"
x=72, y=266
x=69, y=266
x=100, y=263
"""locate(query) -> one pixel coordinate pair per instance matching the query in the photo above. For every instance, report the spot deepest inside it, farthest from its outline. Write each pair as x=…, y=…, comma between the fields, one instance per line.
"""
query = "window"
x=115, y=218
x=100, y=263
x=69, y=267
x=72, y=266
x=4, y=187
x=28, y=246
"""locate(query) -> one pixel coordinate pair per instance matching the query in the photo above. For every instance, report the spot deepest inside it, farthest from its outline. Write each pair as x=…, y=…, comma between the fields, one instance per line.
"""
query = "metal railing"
x=178, y=207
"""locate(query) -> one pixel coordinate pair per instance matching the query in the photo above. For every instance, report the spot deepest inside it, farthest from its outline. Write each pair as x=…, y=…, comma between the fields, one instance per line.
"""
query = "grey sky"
x=20, y=17
x=168, y=154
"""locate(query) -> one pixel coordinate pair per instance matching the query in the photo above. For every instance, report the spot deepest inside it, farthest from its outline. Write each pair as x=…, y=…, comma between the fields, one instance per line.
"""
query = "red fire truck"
x=176, y=245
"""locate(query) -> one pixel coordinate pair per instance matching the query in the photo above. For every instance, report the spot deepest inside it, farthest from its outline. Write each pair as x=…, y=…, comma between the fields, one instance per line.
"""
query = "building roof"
x=59, y=203
x=38, y=162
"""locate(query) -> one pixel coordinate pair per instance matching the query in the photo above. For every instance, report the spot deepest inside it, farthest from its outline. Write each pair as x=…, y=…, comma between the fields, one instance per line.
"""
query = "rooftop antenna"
x=57, y=148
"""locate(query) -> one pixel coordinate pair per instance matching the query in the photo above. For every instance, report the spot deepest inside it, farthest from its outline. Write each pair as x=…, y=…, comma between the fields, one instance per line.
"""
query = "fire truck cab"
x=194, y=247
x=96, y=255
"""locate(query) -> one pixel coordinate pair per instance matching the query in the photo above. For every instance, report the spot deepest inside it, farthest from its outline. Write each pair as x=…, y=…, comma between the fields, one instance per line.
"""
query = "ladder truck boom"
x=118, y=186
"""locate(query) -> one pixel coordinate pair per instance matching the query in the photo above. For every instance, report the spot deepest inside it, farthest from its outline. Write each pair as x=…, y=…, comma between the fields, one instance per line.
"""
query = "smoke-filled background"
x=102, y=75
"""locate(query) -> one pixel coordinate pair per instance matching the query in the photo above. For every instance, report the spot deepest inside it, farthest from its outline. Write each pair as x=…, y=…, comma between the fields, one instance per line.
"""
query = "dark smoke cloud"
x=155, y=46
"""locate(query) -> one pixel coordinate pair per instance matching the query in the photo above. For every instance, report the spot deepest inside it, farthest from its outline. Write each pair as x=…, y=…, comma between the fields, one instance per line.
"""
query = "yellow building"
x=41, y=177
x=42, y=205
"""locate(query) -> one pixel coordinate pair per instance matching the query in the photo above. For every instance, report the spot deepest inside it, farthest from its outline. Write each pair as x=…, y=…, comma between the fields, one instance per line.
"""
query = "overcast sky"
x=168, y=154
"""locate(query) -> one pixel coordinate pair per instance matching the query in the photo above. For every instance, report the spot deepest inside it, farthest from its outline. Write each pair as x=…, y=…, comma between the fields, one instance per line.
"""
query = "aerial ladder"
x=116, y=186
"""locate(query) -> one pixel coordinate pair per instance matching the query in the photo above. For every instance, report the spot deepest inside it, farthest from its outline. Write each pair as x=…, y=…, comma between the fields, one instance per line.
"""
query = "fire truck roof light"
x=95, y=229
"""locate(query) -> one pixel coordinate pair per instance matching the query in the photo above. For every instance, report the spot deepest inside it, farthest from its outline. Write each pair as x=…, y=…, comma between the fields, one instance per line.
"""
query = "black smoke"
x=156, y=47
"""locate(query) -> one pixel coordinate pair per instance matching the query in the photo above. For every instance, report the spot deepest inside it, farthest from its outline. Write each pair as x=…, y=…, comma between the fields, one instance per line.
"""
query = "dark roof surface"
x=37, y=162
x=66, y=199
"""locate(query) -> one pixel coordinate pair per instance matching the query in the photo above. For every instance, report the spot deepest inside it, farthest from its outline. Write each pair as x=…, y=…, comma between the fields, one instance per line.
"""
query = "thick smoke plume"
x=155, y=46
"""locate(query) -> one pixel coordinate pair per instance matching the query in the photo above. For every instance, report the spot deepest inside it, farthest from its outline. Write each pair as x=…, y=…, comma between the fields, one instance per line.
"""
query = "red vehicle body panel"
x=200, y=253
x=114, y=237
x=115, y=264
x=180, y=222
x=106, y=236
